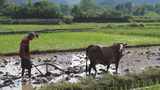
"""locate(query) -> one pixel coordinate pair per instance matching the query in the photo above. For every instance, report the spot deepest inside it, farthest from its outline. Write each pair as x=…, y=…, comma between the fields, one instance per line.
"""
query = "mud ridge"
x=48, y=31
x=71, y=50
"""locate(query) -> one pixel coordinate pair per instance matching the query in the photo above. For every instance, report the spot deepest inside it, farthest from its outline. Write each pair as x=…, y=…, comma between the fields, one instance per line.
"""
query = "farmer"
x=24, y=52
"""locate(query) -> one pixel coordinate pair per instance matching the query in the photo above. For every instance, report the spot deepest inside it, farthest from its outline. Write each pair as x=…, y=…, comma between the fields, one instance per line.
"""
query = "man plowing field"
x=24, y=52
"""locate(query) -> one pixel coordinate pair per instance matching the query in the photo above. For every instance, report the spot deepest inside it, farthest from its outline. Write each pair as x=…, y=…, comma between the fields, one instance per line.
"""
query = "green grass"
x=106, y=34
x=152, y=87
x=70, y=40
x=147, y=79
x=133, y=32
x=34, y=27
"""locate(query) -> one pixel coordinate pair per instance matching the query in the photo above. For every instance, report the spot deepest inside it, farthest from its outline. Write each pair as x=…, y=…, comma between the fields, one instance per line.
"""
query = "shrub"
x=68, y=19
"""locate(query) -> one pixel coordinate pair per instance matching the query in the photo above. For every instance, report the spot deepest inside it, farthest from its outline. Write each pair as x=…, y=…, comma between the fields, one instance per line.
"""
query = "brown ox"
x=104, y=55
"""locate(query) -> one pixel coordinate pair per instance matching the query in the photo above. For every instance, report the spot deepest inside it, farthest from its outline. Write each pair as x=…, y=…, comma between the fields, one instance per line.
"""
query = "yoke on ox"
x=104, y=55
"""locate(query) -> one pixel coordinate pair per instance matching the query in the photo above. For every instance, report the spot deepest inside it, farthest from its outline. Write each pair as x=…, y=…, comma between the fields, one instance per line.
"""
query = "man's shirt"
x=24, y=49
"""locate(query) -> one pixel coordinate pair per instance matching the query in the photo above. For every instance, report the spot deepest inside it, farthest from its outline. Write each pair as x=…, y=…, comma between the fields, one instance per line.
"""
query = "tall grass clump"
x=150, y=76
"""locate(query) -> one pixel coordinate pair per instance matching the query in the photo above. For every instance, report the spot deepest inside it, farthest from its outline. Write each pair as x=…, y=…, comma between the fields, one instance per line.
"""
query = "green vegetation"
x=152, y=14
x=98, y=26
x=29, y=27
x=68, y=40
x=86, y=10
x=110, y=82
x=152, y=87
x=106, y=34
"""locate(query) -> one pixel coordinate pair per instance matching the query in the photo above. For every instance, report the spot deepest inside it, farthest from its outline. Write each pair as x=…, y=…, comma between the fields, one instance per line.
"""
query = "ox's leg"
x=117, y=67
x=90, y=67
x=94, y=67
x=108, y=67
x=86, y=67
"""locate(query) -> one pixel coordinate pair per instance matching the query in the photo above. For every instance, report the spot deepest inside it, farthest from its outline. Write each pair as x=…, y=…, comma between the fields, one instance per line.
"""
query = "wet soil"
x=70, y=66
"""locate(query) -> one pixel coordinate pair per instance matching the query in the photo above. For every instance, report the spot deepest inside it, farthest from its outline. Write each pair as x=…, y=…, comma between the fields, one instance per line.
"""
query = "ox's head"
x=120, y=47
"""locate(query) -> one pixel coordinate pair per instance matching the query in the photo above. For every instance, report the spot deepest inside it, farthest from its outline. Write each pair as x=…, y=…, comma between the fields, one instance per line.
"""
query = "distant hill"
x=101, y=2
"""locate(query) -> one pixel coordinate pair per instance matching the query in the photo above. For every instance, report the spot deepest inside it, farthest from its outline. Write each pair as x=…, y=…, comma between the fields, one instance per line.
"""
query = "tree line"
x=85, y=9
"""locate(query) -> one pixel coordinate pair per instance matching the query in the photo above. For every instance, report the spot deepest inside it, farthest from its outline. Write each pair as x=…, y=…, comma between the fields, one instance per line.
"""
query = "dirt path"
x=73, y=64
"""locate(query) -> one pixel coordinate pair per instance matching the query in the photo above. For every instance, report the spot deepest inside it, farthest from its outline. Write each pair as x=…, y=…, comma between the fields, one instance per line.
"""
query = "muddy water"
x=69, y=67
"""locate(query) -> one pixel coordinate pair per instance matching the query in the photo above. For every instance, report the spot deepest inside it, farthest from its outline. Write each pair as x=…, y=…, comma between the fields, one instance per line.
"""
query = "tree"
x=88, y=8
x=157, y=8
x=41, y=9
x=29, y=3
x=11, y=10
x=139, y=11
x=149, y=7
x=76, y=11
x=65, y=9
x=2, y=4
x=86, y=5
x=44, y=9
x=125, y=8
